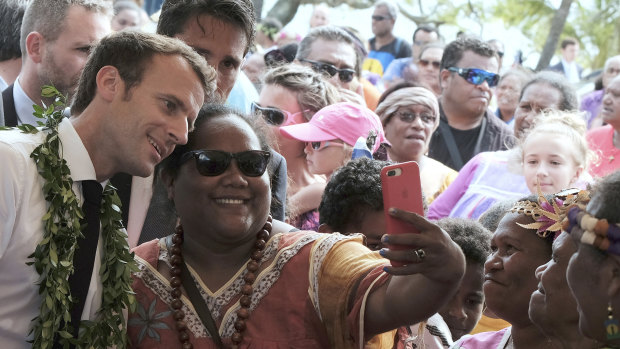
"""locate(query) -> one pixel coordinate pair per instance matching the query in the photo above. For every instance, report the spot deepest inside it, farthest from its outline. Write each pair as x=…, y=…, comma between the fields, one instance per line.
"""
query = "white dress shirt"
x=22, y=205
x=23, y=105
x=571, y=71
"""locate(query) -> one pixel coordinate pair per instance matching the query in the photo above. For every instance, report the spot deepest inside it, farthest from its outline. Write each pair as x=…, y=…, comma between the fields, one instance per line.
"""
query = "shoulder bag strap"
x=448, y=138
x=198, y=302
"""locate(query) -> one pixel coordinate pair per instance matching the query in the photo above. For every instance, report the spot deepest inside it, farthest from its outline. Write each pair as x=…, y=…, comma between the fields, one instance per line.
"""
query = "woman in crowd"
x=352, y=203
x=552, y=306
x=519, y=246
x=605, y=141
x=332, y=133
x=409, y=117
x=126, y=15
x=291, y=94
x=507, y=93
x=428, y=66
x=261, y=285
x=486, y=179
x=594, y=270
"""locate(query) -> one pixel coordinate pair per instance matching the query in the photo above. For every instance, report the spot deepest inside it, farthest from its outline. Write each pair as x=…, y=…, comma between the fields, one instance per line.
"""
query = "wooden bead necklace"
x=176, y=260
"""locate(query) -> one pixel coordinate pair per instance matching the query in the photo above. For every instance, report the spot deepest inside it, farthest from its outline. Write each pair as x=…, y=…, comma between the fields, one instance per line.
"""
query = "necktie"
x=84, y=257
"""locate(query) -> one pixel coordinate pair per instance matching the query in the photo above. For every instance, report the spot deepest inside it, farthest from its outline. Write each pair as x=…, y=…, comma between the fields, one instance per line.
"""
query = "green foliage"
x=53, y=256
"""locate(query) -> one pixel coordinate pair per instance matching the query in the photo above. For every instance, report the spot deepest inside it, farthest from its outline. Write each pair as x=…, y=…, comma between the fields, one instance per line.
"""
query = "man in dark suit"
x=54, y=49
x=11, y=15
x=568, y=66
x=196, y=23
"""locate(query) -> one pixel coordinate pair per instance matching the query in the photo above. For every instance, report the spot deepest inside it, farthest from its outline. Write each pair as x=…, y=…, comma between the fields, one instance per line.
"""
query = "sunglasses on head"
x=425, y=63
x=273, y=116
x=323, y=144
x=251, y=163
x=275, y=57
x=345, y=75
x=476, y=76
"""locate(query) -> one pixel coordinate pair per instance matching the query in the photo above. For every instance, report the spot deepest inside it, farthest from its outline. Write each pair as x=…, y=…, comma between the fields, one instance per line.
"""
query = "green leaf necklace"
x=53, y=256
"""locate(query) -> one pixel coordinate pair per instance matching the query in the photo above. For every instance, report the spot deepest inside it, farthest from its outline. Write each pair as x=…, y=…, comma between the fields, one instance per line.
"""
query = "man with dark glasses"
x=195, y=21
x=469, y=69
x=385, y=47
x=334, y=52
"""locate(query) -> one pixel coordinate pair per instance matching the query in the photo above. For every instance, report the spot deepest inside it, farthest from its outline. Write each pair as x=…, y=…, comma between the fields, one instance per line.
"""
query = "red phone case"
x=401, y=189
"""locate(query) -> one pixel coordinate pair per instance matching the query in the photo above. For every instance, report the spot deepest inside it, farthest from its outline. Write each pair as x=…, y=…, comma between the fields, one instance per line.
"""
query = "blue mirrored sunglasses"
x=476, y=76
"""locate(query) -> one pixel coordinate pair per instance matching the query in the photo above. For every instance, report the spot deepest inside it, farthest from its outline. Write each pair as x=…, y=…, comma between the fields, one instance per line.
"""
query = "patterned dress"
x=307, y=294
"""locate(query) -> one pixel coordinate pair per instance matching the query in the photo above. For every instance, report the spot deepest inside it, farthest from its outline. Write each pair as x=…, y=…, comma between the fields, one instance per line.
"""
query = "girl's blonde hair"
x=570, y=126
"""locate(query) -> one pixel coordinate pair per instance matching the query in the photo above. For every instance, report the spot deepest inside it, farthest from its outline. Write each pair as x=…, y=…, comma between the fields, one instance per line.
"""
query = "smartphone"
x=402, y=189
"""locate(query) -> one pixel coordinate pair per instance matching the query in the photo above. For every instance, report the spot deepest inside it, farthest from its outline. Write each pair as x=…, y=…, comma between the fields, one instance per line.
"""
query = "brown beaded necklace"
x=176, y=260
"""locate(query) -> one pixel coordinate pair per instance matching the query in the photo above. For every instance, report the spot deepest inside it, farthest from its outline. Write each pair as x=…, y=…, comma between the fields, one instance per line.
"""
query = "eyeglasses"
x=345, y=75
x=274, y=116
x=409, y=117
x=379, y=18
x=424, y=63
x=317, y=146
x=476, y=76
x=251, y=163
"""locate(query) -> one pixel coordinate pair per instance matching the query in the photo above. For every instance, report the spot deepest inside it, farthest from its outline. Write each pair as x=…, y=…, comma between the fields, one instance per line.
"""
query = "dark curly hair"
x=472, y=237
x=455, y=50
x=351, y=191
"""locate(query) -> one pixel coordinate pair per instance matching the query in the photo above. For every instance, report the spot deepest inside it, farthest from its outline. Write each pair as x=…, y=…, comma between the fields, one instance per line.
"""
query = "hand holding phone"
x=402, y=189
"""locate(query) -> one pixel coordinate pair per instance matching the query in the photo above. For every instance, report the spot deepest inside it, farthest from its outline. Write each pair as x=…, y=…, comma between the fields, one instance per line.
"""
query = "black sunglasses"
x=275, y=57
x=425, y=63
x=345, y=75
x=251, y=163
x=379, y=18
x=476, y=76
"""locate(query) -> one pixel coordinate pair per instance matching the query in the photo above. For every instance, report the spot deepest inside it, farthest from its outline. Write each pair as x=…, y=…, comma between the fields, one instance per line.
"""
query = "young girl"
x=331, y=134
x=554, y=154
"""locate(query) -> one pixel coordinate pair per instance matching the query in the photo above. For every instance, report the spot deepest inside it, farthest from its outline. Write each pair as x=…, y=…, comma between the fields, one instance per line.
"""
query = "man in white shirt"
x=568, y=66
x=55, y=40
x=123, y=118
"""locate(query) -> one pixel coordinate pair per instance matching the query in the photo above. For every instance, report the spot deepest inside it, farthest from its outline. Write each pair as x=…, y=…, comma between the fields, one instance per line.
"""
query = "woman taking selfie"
x=261, y=285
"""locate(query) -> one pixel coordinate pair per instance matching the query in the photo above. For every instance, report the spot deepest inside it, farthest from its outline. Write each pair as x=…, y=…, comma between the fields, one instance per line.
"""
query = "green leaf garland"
x=53, y=256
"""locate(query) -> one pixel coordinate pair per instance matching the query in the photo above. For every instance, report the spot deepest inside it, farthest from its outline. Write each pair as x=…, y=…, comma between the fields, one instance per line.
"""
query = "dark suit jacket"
x=560, y=68
x=1, y=112
x=10, y=114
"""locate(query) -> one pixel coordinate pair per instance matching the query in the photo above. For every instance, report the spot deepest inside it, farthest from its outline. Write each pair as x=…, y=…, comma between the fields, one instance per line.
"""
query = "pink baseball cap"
x=346, y=121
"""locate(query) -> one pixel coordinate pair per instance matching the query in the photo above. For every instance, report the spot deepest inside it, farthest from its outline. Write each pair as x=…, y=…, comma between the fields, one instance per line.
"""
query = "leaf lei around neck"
x=53, y=256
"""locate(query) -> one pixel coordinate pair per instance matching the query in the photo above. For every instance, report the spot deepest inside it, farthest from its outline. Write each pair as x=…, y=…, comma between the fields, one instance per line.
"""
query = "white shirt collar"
x=75, y=154
x=23, y=105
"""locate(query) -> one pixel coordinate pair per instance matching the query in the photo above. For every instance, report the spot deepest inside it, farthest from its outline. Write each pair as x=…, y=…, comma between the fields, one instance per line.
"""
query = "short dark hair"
x=607, y=190
x=568, y=41
x=425, y=28
x=170, y=165
x=47, y=17
x=472, y=237
x=11, y=16
x=559, y=82
x=175, y=14
x=351, y=191
x=453, y=52
x=131, y=53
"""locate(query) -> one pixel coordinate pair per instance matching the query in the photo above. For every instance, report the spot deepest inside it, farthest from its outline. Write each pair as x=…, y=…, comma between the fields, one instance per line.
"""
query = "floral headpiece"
x=593, y=231
x=548, y=215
